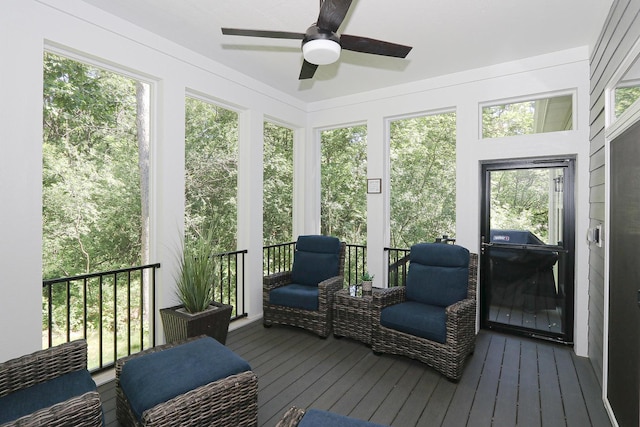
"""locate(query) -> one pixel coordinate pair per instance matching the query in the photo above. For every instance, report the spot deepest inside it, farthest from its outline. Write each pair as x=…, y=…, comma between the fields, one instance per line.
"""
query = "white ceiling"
x=447, y=36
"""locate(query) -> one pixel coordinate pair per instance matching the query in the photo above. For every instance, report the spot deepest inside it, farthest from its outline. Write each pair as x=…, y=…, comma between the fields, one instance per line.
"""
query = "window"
x=423, y=179
x=277, y=185
x=95, y=178
x=211, y=172
x=528, y=117
x=344, y=184
x=627, y=91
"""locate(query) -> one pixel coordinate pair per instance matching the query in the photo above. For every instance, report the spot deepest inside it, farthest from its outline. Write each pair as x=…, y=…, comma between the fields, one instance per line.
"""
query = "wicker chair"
x=447, y=350
x=227, y=402
x=48, y=365
x=318, y=263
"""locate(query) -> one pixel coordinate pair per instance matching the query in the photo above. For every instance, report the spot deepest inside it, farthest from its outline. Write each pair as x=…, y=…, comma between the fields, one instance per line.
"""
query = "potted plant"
x=367, y=282
x=197, y=312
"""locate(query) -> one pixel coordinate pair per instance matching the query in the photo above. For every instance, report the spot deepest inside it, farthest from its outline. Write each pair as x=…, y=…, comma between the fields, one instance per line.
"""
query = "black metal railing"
x=113, y=310
x=398, y=260
x=355, y=264
x=230, y=288
x=277, y=258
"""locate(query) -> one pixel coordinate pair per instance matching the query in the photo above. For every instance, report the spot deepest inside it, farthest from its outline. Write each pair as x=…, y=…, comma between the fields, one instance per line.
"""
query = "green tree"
x=625, y=96
x=508, y=119
x=211, y=173
x=520, y=200
x=343, y=187
x=91, y=189
x=277, y=215
x=423, y=179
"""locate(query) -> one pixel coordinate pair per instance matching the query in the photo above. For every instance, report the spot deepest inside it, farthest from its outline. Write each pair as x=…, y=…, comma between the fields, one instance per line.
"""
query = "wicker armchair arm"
x=42, y=365
x=461, y=318
x=276, y=280
x=461, y=308
x=326, y=289
x=84, y=410
x=390, y=296
x=291, y=418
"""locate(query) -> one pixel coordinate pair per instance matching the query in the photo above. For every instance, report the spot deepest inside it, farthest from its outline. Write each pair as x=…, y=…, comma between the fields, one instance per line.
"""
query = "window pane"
x=344, y=178
x=528, y=117
x=277, y=223
x=95, y=179
x=91, y=175
x=628, y=90
x=423, y=179
x=211, y=172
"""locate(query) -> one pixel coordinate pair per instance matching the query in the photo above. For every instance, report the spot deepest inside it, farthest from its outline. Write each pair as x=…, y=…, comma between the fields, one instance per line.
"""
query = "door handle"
x=484, y=245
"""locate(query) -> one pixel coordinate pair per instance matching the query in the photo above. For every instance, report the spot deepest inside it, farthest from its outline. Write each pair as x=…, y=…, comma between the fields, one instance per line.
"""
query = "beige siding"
x=620, y=33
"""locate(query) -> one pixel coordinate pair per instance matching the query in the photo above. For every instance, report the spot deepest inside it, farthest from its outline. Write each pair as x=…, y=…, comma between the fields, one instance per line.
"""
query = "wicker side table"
x=352, y=314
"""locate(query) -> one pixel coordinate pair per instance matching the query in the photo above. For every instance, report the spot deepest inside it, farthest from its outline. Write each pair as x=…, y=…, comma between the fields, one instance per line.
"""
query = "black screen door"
x=624, y=278
x=527, y=248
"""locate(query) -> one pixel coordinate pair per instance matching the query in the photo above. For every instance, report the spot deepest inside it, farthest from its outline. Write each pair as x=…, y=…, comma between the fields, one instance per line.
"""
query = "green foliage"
x=277, y=214
x=343, y=185
x=195, y=281
x=508, y=119
x=211, y=173
x=366, y=277
x=91, y=190
x=624, y=97
x=423, y=179
x=520, y=200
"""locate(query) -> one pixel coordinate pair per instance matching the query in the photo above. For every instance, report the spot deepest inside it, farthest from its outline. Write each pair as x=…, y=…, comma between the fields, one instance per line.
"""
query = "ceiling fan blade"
x=332, y=13
x=262, y=33
x=376, y=47
x=308, y=70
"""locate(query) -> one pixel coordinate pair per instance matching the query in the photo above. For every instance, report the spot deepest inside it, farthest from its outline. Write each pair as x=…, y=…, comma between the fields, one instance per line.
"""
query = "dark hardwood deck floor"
x=508, y=381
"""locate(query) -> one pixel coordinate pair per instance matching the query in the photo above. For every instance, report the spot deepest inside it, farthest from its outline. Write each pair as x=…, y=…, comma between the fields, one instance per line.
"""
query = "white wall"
x=464, y=92
x=76, y=28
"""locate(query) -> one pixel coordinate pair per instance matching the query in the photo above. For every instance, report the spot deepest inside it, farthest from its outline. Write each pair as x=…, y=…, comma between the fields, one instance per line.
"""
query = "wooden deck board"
x=507, y=381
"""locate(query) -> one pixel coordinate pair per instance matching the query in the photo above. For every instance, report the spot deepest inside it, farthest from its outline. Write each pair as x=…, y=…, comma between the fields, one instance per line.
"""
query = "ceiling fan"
x=320, y=43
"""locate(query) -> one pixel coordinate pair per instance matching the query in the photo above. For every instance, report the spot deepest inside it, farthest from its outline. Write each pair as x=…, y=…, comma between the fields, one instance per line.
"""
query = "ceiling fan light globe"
x=321, y=51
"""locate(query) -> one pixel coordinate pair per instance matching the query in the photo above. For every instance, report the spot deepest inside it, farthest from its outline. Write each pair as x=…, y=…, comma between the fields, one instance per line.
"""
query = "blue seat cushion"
x=154, y=378
x=438, y=274
x=43, y=395
x=295, y=296
x=316, y=259
x=318, y=418
x=422, y=320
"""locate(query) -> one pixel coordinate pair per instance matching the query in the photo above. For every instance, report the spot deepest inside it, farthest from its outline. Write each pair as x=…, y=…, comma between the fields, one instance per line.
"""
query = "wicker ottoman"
x=197, y=382
x=317, y=418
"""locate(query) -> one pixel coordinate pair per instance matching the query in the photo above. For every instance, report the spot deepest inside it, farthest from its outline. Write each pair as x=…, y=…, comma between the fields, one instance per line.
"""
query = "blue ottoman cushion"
x=422, y=320
x=43, y=395
x=318, y=418
x=296, y=296
x=158, y=377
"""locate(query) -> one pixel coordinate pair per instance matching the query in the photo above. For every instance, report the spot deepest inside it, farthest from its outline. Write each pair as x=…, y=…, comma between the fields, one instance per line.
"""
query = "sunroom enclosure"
x=172, y=72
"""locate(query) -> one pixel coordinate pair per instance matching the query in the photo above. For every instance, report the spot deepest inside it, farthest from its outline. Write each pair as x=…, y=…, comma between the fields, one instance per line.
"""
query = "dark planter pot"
x=180, y=325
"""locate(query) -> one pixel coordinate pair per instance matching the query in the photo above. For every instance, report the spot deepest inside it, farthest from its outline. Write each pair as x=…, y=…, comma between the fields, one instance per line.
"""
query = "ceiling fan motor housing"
x=320, y=47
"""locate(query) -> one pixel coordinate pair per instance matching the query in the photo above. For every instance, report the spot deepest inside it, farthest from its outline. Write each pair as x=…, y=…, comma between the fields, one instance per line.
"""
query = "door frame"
x=567, y=162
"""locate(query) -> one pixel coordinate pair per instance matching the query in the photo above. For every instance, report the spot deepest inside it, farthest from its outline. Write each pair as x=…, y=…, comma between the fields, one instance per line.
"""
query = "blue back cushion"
x=157, y=377
x=316, y=259
x=318, y=418
x=438, y=274
x=28, y=400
